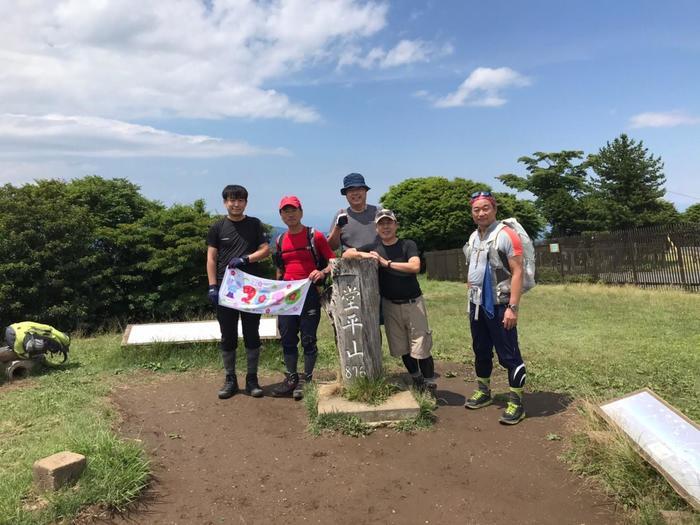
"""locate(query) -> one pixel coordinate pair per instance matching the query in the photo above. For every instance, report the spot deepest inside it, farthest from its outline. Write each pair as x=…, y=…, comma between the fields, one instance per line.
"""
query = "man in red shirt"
x=296, y=259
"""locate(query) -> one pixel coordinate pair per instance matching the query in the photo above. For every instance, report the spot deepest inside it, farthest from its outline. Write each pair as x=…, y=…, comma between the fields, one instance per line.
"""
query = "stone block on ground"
x=56, y=471
x=398, y=407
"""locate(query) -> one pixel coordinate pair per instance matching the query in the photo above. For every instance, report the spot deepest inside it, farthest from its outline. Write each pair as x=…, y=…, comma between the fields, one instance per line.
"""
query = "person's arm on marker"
x=412, y=266
x=354, y=253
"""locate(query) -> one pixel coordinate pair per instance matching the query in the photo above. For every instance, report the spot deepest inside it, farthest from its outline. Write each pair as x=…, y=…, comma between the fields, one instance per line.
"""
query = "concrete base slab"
x=398, y=407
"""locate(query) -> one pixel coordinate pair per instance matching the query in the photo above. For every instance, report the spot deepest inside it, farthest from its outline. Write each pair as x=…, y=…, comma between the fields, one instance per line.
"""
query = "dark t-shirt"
x=236, y=239
x=392, y=283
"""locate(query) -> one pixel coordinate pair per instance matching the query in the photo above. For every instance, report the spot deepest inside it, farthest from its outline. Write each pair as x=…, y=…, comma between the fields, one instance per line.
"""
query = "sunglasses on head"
x=481, y=194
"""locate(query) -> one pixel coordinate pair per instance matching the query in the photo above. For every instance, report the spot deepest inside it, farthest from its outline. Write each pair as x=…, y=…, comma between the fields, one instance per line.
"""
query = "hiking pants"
x=489, y=333
x=306, y=325
x=228, y=322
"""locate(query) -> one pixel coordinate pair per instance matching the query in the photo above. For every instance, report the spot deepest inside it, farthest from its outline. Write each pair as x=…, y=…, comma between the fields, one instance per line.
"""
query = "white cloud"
x=21, y=172
x=666, y=119
x=404, y=53
x=60, y=135
x=128, y=58
x=483, y=87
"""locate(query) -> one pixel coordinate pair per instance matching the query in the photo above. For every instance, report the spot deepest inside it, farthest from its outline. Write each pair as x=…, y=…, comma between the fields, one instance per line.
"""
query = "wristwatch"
x=514, y=307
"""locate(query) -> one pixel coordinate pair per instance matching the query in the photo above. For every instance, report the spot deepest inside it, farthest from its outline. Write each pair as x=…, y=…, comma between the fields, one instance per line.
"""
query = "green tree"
x=628, y=183
x=94, y=252
x=560, y=186
x=692, y=213
x=46, y=244
x=435, y=212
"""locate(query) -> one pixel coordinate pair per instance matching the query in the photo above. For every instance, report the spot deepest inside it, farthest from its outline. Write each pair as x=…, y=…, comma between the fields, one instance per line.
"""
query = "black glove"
x=213, y=294
x=342, y=220
x=238, y=261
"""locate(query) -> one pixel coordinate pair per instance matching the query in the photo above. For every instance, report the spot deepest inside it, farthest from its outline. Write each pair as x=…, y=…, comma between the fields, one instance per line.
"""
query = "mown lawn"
x=585, y=340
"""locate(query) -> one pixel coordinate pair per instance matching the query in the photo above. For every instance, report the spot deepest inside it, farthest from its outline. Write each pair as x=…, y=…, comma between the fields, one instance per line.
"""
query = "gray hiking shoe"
x=480, y=398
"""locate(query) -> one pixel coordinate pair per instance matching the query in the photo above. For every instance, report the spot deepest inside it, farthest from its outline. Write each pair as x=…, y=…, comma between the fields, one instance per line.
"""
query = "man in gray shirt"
x=354, y=226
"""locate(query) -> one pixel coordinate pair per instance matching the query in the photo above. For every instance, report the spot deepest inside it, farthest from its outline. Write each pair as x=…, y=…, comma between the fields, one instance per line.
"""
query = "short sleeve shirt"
x=236, y=239
x=360, y=229
x=507, y=242
x=393, y=284
x=298, y=258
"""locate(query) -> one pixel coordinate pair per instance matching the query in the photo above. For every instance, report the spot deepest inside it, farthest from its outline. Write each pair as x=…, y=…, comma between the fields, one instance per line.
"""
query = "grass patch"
x=608, y=456
x=334, y=422
x=369, y=391
x=426, y=414
x=586, y=341
x=64, y=411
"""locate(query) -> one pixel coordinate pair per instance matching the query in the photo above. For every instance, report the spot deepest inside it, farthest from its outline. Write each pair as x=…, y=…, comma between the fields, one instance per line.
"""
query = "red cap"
x=290, y=200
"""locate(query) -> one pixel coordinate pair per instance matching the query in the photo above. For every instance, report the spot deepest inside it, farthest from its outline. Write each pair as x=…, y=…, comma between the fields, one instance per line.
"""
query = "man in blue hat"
x=353, y=226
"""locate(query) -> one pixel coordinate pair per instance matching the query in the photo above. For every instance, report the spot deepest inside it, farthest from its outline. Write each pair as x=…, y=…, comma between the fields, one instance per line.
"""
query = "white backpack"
x=528, y=250
x=528, y=253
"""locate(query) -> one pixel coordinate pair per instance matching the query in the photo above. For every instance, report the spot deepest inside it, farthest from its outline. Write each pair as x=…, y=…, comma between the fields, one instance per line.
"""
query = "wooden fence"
x=658, y=256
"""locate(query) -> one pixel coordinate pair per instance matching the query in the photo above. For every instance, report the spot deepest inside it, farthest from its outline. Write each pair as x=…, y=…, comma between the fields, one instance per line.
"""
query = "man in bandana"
x=495, y=282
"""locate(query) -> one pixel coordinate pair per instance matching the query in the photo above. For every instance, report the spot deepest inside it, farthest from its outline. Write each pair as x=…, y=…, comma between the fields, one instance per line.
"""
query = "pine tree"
x=629, y=183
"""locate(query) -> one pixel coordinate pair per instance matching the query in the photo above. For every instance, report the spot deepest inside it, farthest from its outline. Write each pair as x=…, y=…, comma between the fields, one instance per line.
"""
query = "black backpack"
x=319, y=260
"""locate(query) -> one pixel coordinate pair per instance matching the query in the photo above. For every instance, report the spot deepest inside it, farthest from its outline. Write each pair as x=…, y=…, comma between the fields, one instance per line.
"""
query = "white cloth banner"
x=248, y=293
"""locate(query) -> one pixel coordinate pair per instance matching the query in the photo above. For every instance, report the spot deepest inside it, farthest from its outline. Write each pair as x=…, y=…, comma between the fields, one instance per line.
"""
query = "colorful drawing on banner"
x=248, y=293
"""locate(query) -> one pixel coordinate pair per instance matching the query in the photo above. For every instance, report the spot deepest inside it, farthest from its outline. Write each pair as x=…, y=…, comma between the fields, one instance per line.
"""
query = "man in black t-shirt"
x=236, y=241
x=405, y=316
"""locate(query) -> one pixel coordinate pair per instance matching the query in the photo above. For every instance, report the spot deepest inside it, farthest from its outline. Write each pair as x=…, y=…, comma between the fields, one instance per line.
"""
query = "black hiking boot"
x=480, y=398
x=290, y=383
x=418, y=383
x=298, y=392
x=514, y=412
x=430, y=385
x=252, y=387
x=230, y=387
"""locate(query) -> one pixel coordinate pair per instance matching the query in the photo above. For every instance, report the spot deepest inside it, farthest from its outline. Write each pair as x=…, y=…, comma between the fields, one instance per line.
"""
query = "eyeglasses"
x=481, y=194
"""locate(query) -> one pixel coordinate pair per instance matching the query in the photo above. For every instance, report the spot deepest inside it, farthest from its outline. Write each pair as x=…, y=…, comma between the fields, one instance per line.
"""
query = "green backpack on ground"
x=30, y=340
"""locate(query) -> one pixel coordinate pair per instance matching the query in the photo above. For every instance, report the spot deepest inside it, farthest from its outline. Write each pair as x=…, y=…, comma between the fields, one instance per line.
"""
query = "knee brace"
x=308, y=341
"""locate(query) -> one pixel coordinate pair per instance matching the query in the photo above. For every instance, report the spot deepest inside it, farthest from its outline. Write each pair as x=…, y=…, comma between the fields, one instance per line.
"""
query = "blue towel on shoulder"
x=487, y=292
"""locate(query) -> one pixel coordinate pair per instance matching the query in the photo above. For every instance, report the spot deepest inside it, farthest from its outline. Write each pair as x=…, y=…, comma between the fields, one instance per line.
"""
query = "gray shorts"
x=407, y=329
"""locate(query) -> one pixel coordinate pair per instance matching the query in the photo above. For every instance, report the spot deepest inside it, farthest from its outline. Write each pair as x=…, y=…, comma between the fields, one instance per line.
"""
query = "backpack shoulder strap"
x=311, y=237
x=279, y=262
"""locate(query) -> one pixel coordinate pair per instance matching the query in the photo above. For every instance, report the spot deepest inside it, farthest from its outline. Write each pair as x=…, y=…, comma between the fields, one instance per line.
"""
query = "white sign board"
x=188, y=332
x=666, y=438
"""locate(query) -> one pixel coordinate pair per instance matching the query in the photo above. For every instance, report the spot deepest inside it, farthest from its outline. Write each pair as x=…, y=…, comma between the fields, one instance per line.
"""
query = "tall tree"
x=559, y=185
x=629, y=185
x=435, y=212
x=692, y=213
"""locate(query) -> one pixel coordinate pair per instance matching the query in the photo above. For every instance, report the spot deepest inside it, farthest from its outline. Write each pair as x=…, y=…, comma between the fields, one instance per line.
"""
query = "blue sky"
x=288, y=96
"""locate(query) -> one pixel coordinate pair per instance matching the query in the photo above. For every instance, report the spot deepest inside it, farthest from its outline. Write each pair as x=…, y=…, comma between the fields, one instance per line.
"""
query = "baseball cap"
x=290, y=200
x=384, y=212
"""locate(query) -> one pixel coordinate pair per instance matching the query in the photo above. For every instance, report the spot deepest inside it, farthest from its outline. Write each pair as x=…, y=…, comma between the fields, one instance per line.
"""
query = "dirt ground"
x=251, y=461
